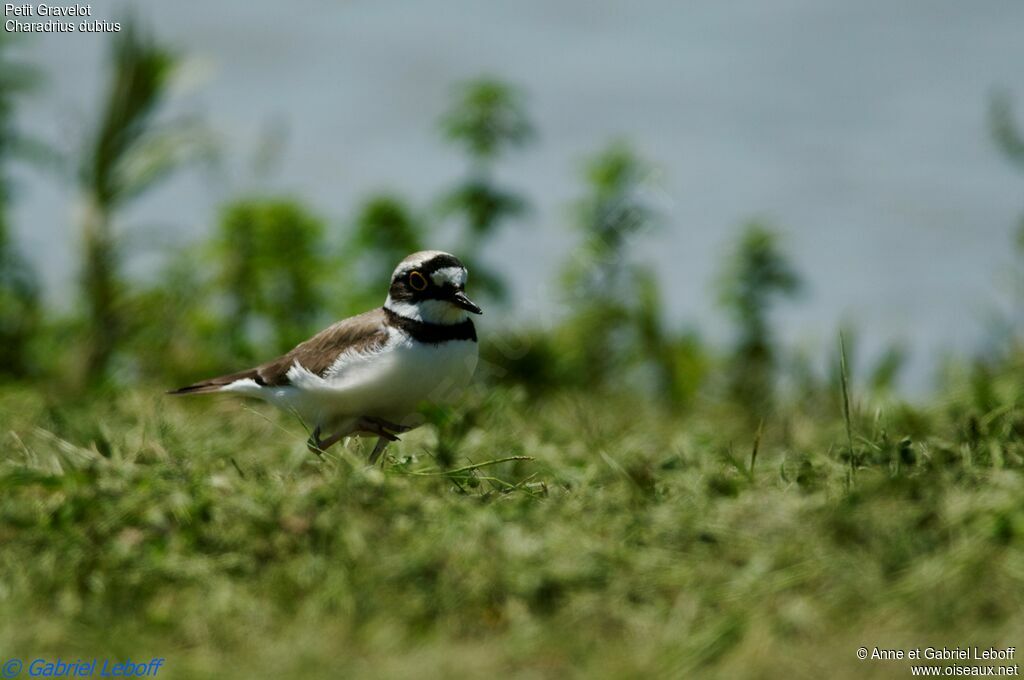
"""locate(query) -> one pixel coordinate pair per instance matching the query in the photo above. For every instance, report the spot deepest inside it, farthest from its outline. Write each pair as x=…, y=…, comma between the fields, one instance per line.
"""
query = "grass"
x=580, y=535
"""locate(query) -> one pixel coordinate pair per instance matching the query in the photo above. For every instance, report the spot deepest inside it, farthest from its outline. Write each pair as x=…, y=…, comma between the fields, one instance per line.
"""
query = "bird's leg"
x=318, y=445
x=381, y=428
x=313, y=443
x=384, y=424
x=382, y=442
x=332, y=440
x=384, y=430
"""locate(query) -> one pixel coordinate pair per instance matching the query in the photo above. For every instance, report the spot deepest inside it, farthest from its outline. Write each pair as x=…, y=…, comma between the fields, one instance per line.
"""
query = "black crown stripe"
x=433, y=264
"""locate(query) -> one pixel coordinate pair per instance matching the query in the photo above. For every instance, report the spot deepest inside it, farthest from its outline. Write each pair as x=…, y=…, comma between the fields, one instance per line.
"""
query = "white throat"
x=428, y=311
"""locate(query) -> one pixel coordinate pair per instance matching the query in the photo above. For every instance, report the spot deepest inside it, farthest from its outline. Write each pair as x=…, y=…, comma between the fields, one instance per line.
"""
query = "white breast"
x=416, y=372
x=390, y=383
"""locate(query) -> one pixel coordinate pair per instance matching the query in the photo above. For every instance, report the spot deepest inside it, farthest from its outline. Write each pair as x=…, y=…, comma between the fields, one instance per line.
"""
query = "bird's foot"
x=381, y=428
x=318, y=445
x=378, y=449
x=313, y=443
x=385, y=431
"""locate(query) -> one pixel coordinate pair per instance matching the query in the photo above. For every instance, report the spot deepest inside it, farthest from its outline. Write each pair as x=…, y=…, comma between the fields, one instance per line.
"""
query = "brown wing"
x=360, y=333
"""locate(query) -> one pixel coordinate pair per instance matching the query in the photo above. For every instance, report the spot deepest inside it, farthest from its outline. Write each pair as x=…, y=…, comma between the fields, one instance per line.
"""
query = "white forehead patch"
x=455, y=276
x=415, y=261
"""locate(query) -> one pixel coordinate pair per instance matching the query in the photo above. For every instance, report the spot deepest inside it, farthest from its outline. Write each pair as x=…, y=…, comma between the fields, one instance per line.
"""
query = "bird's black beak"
x=459, y=299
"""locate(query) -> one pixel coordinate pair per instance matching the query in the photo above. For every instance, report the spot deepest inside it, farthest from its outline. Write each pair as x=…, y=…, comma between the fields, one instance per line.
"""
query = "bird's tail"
x=217, y=384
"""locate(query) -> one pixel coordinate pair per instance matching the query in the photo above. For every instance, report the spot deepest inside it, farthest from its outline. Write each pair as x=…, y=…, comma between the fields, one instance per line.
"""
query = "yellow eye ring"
x=418, y=281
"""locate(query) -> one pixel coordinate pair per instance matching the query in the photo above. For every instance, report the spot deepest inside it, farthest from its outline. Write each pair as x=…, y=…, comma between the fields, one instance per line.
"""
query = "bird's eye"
x=418, y=281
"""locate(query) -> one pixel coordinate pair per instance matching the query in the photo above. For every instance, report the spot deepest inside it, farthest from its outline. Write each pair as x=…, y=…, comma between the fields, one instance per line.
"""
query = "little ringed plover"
x=366, y=375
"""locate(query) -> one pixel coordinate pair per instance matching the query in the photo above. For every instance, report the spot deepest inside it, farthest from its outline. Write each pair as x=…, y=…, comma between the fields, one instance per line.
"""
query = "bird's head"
x=430, y=286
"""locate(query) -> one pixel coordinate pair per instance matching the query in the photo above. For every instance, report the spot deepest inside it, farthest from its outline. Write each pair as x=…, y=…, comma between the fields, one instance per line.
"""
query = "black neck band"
x=432, y=333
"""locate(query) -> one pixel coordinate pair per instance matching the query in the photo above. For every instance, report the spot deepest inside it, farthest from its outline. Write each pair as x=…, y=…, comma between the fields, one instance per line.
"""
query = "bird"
x=368, y=374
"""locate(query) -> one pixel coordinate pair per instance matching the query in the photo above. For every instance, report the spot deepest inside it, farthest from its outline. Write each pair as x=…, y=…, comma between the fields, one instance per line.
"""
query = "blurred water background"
x=859, y=129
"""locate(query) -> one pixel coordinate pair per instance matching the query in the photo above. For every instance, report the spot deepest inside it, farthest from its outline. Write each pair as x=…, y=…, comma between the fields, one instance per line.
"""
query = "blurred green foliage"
x=272, y=271
x=614, y=334
x=679, y=362
x=757, y=275
x=1004, y=130
x=487, y=119
x=271, y=260
x=386, y=229
x=601, y=281
x=612, y=212
x=128, y=151
x=20, y=314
